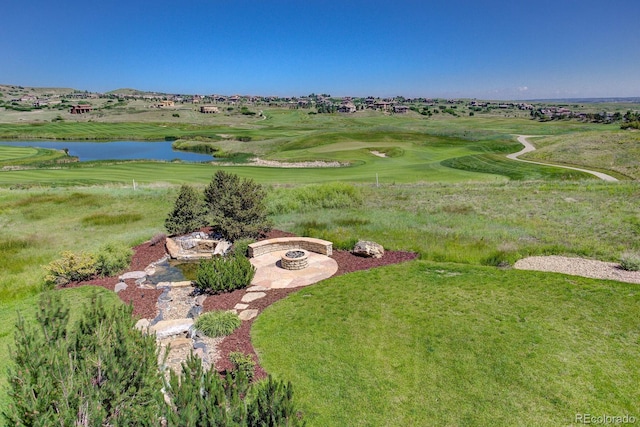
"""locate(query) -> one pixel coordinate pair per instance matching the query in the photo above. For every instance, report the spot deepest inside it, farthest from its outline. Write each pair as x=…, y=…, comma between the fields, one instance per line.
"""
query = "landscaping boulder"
x=173, y=248
x=206, y=245
x=368, y=249
x=222, y=248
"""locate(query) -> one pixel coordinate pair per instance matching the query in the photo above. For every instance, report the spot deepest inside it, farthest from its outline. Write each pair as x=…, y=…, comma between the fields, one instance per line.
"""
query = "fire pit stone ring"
x=295, y=259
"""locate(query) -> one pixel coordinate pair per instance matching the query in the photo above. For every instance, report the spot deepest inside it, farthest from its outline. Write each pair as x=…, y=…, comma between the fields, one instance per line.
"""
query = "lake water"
x=118, y=150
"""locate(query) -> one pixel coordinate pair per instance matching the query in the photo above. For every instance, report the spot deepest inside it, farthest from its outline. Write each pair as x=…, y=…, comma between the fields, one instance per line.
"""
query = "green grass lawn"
x=443, y=149
x=444, y=344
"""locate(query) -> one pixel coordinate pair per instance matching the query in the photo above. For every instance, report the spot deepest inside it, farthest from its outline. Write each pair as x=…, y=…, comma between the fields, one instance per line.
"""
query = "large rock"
x=222, y=248
x=168, y=328
x=206, y=245
x=173, y=248
x=368, y=249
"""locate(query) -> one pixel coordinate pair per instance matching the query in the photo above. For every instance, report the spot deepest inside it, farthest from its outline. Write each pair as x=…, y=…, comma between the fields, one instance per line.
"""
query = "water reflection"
x=117, y=150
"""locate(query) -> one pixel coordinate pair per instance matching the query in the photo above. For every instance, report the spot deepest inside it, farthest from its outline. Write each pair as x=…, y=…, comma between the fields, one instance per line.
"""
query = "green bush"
x=112, y=259
x=630, y=261
x=204, y=398
x=272, y=400
x=243, y=363
x=237, y=206
x=72, y=267
x=188, y=214
x=97, y=371
x=218, y=323
x=241, y=246
x=222, y=274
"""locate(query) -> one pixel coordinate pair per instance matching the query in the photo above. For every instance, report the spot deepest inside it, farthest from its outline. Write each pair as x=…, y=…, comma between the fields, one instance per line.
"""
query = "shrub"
x=221, y=274
x=243, y=363
x=218, y=323
x=72, y=267
x=237, y=207
x=630, y=261
x=98, y=371
x=200, y=397
x=188, y=212
x=241, y=246
x=272, y=400
x=112, y=259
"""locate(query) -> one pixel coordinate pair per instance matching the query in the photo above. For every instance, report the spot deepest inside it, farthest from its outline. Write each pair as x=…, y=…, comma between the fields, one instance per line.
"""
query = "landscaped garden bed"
x=145, y=300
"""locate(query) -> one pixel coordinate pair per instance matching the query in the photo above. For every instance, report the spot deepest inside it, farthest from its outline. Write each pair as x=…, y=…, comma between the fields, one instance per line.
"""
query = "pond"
x=118, y=150
x=174, y=271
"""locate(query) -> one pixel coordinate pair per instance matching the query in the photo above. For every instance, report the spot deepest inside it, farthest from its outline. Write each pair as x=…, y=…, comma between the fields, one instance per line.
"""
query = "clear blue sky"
x=496, y=49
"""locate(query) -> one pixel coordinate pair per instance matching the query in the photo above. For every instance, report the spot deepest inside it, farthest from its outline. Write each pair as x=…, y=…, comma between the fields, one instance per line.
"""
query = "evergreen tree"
x=189, y=213
x=237, y=207
x=100, y=371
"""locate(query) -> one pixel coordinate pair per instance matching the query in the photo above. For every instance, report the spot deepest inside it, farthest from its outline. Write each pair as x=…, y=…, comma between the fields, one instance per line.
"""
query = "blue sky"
x=496, y=49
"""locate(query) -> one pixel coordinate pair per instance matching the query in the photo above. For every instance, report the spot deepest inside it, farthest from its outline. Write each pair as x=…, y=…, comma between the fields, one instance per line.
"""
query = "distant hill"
x=622, y=100
x=15, y=90
x=128, y=91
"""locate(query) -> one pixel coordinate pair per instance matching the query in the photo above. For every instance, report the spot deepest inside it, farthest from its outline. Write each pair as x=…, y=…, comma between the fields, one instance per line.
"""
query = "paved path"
x=522, y=139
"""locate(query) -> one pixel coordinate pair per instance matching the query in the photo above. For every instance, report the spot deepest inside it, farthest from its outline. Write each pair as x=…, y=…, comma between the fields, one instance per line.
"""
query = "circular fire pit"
x=296, y=259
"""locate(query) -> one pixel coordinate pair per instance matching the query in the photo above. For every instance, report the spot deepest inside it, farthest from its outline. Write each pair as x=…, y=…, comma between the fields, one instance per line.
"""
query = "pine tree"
x=236, y=206
x=99, y=371
x=189, y=213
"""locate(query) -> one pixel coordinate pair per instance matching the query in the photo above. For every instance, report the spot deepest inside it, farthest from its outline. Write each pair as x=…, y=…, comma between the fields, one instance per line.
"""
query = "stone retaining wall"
x=310, y=244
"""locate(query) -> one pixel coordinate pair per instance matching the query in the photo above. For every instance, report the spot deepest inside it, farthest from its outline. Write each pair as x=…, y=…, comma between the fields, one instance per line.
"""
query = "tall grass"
x=335, y=195
x=490, y=224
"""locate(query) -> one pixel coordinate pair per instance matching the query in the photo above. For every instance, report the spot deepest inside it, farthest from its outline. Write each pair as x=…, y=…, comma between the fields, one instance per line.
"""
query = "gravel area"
x=578, y=267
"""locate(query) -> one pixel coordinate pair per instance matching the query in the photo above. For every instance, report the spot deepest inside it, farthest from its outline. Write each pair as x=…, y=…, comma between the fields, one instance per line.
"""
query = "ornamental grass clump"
x=224, y=274
x=630, y=261
x=218, y=323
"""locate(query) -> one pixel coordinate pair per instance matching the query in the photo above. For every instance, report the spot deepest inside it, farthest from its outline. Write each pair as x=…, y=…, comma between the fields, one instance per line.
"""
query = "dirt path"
x=522, y=139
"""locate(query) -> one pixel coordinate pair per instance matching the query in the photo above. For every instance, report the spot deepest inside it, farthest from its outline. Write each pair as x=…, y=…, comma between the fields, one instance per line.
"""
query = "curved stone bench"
x=310, y=244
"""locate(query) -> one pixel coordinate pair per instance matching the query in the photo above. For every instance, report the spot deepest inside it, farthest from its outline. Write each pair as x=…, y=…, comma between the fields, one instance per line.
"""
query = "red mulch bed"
x=144, y=300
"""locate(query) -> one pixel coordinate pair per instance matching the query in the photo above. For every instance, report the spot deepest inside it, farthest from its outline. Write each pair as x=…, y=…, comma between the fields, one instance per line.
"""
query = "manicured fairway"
x=443, y=344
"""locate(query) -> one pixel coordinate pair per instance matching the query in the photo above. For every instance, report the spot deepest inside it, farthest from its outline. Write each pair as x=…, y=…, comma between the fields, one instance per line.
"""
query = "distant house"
x=347, y=107
x=81, y=109
x=209, y=109
x=401, y=109
x=165, y=104
x=382, y=105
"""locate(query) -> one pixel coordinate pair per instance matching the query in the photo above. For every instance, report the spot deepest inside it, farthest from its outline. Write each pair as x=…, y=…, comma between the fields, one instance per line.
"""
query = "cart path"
x=522, y=139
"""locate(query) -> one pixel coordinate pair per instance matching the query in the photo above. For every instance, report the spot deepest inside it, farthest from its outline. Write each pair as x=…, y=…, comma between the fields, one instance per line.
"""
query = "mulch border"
x=144, y=301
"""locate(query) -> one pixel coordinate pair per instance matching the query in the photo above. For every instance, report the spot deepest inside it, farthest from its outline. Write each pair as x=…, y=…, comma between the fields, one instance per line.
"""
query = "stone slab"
x=252, y=296
x=241, y=306
x=133, y=275
x=167, y=328
x=121, y=286
x=257, y=288
x=179, y=343
x=248, y=314
x=182, y=284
